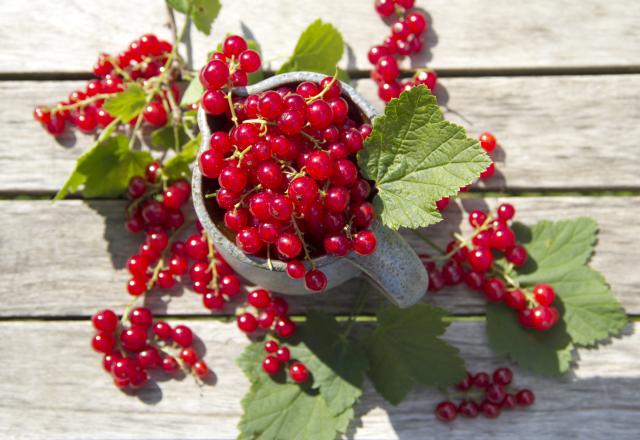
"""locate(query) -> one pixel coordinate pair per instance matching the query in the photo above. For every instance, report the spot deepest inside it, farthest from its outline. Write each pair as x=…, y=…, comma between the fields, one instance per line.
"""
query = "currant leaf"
x=180, y=5
x=165, y=137
x=546, y=353
x=416, y=158
x=204, y=13
x=127, y=104
x=558, y=255
x=338, y=364
x=105, y=170
x=319, y=49
x=179, y=165
x=405, y=350
x=193, y=92
x=278, y=408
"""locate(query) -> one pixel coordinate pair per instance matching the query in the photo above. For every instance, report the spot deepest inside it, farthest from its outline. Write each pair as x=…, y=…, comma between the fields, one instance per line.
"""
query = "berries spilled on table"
x=484, y=394
x=284, y=167
x=137, y=344
x=472, y=260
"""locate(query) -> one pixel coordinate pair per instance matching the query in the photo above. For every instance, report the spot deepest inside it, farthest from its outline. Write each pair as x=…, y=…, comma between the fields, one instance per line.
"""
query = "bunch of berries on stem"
x=405, y=39
x=472, y=260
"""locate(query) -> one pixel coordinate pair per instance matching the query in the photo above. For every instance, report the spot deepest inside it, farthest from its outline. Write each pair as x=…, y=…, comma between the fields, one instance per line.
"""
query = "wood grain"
x=585, y=140
x=53, y=387
x=67, y=259
x=466, y=35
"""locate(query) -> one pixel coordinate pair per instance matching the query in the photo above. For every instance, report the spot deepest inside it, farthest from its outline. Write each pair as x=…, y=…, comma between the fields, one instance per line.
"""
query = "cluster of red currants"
x=269, y=314
x=405, y=39
x=472, y=261
x=493, y=392
x=157, y=211
x=133, y=346
x=286, y=170
x=145, y=58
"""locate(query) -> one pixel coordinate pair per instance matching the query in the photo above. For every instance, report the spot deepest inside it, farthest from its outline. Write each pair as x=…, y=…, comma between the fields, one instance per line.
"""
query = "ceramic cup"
x=394, y=267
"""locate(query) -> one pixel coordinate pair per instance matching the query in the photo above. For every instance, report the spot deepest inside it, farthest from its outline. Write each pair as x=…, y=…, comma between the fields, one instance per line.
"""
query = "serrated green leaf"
x=166, y=138
x=127, y=104
x=106, y=169
x=338, y=364
x=289, y=412
x=193, y=93
x=178, y=167
x=284, y=410
x=204, y=13
x=416, y=158
x=180, y=5
x=546, y=353
x=558, y=254
x=405, y=349
x=319, y=49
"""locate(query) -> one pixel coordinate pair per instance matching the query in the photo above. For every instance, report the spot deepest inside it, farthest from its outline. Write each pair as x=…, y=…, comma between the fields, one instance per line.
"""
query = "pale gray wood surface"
x=467, y=34
x=586, y=139
x=67, y=259
x=53, y=387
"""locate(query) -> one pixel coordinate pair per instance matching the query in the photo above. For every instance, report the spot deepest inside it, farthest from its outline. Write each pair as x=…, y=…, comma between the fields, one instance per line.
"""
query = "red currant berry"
x=387, y=67
x=133, y=338
x=137, y=286
x=315, y=280
x=494, y=289
x=490, y=171
x=201, y=369
x=477, y=218
x=487, y=142
x=503, y=238
x=291, y=122
x=506, y=212
x=103, y=342
x=516, y=300
x=155, y=114
x=141, y=317
x=169, y=364
x=480, y=259
x=182, y=335
x=517, y=255
x=417, y=22
x=214, y=75
x=234, y=45
x=446, y=411
x=259, y=298
x=249, y=61
x=468, y=408
x=163, y=330
x=247, y=322
x=105, y=320
x=481, y=380
x=298, y=372
x=248, y=240
x=541, y=318
x=495, y=394
x=525, y=397
x=289, y=245
x=503, y=376
x=271, y=365
x=544, y=294
x=189, y=356
x=285, y=327
x=296, y=269
x=214, y=102
x=137, y=187
x=233, y=178
x=489, y=410
x=303, y=190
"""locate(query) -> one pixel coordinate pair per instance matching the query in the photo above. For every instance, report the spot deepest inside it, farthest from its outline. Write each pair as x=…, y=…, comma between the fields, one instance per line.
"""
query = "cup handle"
x=394, y=267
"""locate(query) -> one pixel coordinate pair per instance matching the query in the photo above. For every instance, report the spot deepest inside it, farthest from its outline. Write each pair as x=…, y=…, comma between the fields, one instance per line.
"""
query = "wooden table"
x=557, y=81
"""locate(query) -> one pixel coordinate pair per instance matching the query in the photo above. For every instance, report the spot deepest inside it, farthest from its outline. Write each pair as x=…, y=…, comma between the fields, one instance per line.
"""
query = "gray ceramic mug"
x=394, y=267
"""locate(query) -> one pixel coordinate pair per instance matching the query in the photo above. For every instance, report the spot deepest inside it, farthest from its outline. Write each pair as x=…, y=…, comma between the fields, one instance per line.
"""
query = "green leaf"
x=319, y=49
x=180, y=5
x=178, y=167
x=338, y=364
x=127, y=104
x=106, y=169
x=280, y=410
x=405, y=350
x=193, y=93
x=542, y=352
x=416, y=158
x=203, y=14
x=165, y=137
x=558, y=255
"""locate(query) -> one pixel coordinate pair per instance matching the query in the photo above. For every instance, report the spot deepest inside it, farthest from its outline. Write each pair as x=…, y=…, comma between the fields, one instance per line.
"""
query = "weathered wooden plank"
x=583, y=140
x=599, y=401
x=67, y=36
x=67, y=259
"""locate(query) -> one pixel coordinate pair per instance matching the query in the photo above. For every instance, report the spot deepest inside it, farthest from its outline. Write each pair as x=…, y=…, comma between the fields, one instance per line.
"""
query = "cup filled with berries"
x=277, y=185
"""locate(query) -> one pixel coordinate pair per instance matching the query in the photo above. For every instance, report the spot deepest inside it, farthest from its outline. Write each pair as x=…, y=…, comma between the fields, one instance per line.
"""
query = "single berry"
x=298, y=372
